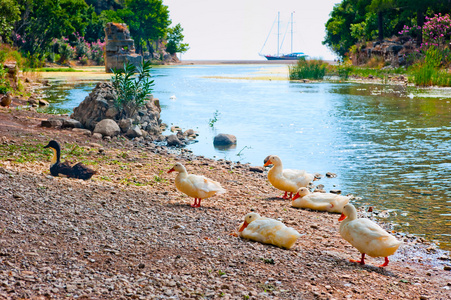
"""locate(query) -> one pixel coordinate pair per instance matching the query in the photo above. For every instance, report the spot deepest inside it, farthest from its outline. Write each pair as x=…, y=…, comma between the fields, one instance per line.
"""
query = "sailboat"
x=290, y=56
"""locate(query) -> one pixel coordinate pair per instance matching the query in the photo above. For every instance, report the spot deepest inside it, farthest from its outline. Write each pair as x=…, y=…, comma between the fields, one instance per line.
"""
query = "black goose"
x=57, y=167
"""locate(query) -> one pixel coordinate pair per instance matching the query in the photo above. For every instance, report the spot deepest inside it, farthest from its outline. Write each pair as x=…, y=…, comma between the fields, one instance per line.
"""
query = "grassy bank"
x=429, y=69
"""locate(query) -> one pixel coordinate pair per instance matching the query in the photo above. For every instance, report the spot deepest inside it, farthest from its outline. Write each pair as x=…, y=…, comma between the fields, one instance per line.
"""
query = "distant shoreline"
x=241, y=62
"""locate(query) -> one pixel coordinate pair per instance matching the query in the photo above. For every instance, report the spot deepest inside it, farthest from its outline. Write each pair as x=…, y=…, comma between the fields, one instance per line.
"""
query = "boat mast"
x=278, y=34
x=292, y=32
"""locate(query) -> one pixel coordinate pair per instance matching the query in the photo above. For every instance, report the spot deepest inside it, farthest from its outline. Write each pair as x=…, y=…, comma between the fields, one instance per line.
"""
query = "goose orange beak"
x=295, y=196
x=171, y=170
x=342, y=217
x=243, y=226
x=268, y=162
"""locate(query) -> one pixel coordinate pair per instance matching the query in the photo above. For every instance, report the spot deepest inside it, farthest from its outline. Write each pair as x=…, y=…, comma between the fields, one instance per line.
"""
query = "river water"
x=390, y=146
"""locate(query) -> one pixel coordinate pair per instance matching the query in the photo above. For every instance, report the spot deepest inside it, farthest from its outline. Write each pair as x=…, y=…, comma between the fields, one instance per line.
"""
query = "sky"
x=238, y=29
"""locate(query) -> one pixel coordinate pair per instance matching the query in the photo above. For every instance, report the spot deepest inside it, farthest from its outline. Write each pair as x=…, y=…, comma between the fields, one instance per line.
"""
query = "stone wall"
x=119, y=47
x=394, y=51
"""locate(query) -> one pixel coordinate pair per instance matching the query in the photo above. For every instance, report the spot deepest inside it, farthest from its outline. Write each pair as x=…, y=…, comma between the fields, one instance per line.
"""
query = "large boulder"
x=223, y=139
x=93, y=109
x=107, y=127
x=100, y=105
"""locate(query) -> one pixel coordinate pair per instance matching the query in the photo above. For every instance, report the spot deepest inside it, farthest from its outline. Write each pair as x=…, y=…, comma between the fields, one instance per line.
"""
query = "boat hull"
x=292, y=56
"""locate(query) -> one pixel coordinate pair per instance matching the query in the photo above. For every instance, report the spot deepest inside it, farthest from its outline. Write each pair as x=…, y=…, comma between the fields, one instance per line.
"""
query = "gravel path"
x=129, y=234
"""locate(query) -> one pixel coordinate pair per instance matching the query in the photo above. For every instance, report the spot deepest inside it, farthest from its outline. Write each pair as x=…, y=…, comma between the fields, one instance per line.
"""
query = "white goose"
x=196, y=186
x=368, y=237
x=319, y=201
x=286, y=180
x=267, y=231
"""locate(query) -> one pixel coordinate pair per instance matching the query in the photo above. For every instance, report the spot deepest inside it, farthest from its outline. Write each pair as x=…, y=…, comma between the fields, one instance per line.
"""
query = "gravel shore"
x=129, y=234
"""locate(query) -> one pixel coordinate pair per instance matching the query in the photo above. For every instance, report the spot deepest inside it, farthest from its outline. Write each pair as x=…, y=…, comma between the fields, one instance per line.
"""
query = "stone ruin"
x=394, y=51
x=119, y=47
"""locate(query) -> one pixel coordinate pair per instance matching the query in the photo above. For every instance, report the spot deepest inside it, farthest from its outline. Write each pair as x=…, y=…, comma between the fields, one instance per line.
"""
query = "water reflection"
x=389, y=145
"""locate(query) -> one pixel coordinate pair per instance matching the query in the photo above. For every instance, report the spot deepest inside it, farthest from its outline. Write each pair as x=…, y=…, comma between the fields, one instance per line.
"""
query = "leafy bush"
x=344, y=69
x=64, y=49
x=308, y=69
x=33, y=61
x=3, y=55
x=131, y=91
x=82, y=48
x=427, y=72
x=83, y=60
x=4, y=82
x=97, y=51
x=8, y=53
x=433, y=57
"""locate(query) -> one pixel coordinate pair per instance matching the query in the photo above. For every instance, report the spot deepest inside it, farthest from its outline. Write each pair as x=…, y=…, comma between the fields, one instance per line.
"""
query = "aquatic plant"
x=308, y=69
x=213, y=120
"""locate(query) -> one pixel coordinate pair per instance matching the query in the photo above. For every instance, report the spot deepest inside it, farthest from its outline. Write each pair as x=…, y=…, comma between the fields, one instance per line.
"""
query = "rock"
x=191, y=134
x=97, y=135
x=93, y=109
x=95, y=145
x=335, y=191
x=134, y=131
x=32, y=100
x=52, y=122
x=173, y=141
x=175, y=128
x=42, y=102
x=125, y=124
x=107, y=127
x=111, y=112
x=71, y=123
x=224, y=140
x=257, y=169
x=82, y=131
x=331, y=175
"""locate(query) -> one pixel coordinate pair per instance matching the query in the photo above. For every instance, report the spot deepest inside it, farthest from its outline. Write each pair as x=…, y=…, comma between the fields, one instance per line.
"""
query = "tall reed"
x=308, y=69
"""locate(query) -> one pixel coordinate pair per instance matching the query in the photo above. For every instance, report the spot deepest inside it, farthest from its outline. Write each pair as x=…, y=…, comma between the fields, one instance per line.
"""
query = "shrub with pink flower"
x=82, y=48
x=82, y=51
x=64, y=49
x=436, y=31
x=97, y=51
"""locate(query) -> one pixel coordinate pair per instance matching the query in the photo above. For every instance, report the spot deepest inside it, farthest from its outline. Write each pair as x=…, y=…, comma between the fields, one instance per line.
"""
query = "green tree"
x=148, y=21
x=43, y=20
x=175, y=38
x=353, y=21
x=338, y=34
x=380, y=7
x=9, y=14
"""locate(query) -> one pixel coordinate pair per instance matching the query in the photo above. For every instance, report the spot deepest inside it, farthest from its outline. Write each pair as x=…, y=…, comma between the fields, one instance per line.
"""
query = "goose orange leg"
x=362, y=261
x=385, y=263
x=196, y=202
x=285, y=196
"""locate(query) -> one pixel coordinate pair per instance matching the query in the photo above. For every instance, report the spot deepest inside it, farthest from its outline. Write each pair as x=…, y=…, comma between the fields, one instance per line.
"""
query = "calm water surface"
x=390, y=146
